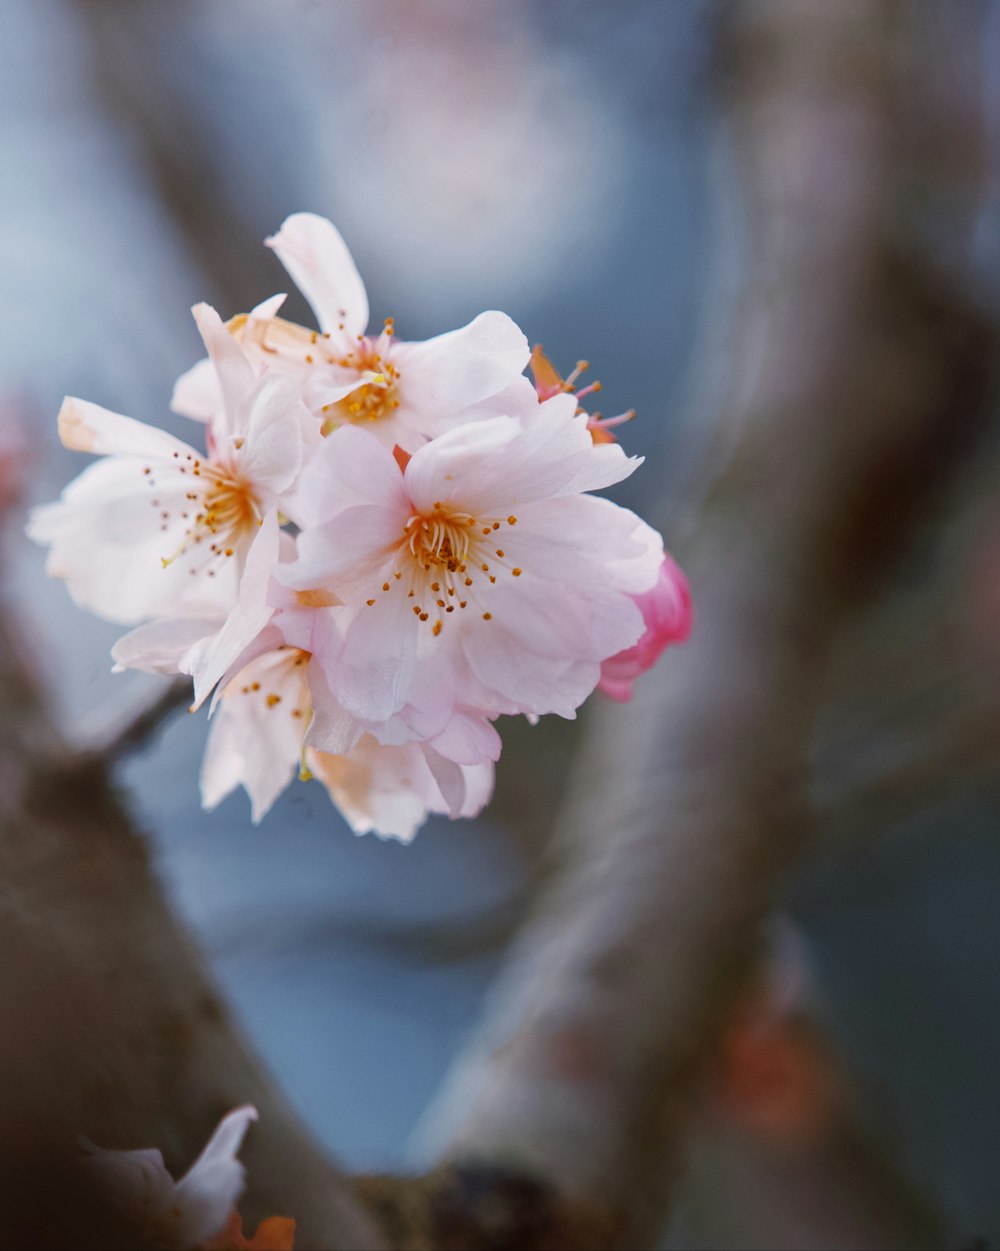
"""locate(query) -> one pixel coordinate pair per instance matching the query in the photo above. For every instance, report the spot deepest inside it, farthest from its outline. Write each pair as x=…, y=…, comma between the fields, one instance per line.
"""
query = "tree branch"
x=689, y=808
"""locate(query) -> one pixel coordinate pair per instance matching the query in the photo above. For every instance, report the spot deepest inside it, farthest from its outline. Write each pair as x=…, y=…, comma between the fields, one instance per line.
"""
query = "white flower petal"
x=319, y=263
x=455, y=371
x=352, y=553
x=468, y=740
x=234, y=371
x=391, y=790
x=535, y=683
x=208, y=661
x=197, y=393
x=500, y=464
x=479, y=781
x=209, y=1191
x=274, y=420
x=461, y=466
x=377, y=789
x=223, y=767
x=332, y=730
x=586, y=541
x=268, y=308
x=257, y=731
x=378, y=660
x=351, y=467
x=86, y=427
x=158, y=646
x=109, y=539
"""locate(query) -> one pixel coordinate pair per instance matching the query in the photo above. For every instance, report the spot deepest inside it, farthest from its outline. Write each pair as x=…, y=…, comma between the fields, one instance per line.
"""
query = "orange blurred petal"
x=276, y=1233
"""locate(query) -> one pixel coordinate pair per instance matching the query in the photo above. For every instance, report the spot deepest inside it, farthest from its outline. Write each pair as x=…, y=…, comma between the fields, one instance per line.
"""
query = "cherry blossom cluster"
x=383, y=547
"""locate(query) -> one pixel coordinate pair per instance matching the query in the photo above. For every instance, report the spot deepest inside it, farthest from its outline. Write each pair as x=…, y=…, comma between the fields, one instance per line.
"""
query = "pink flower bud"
x=666, y=610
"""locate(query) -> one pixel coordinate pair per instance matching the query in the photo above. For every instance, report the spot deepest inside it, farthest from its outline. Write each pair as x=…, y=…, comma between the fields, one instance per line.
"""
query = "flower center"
x=443, y=539
x=378, y=394
x=229, y=509
x=448, y=560
x=221, y=510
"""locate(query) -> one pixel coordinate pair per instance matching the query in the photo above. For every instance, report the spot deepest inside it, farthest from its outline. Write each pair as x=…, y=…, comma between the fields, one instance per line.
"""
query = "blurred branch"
x=857, y=376
x=132, y=730
x=914, y=713
x=144, y=71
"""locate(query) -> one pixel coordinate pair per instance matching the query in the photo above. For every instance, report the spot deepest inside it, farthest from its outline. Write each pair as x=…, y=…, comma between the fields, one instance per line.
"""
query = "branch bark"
x=689, y=807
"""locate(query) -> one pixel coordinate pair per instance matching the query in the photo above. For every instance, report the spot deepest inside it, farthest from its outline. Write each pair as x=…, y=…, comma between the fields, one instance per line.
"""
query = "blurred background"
x=560, y=160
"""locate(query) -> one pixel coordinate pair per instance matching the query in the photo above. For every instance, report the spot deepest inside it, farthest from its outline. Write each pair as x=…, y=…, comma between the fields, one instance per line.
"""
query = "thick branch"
x=689, y=806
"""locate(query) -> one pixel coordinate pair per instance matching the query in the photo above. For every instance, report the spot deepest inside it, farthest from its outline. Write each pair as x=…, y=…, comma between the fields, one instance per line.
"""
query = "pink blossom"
x=666, y=610
x=482, y=575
